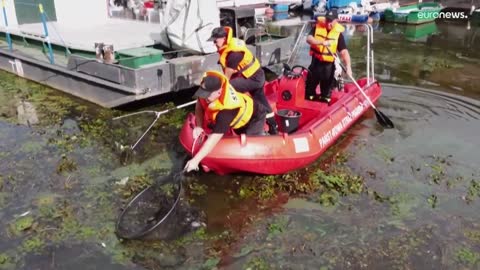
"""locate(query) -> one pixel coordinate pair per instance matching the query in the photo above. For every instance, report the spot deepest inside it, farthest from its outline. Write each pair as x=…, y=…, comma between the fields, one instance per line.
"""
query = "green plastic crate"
x=138, y=57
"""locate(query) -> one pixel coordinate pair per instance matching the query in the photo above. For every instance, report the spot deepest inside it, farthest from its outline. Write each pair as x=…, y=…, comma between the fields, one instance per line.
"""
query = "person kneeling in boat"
x=327, y=33
x=221, y=108
x=242, y=69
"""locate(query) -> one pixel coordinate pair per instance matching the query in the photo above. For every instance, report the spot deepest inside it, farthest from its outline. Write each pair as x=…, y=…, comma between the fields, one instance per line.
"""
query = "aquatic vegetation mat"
x=405, y=198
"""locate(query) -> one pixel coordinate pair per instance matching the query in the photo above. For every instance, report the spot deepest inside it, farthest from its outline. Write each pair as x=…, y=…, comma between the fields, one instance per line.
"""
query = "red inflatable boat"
x=311, y=127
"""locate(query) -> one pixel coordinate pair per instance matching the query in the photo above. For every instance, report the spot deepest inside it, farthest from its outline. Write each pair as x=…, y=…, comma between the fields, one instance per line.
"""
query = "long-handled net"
x=153, y=211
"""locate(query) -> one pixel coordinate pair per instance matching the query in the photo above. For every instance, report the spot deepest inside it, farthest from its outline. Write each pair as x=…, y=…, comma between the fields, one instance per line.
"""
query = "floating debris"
x=24, y=214
x=123, y=181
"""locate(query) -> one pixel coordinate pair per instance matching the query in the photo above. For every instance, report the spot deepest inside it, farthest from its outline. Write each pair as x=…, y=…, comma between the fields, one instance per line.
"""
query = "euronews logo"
x=442, y=15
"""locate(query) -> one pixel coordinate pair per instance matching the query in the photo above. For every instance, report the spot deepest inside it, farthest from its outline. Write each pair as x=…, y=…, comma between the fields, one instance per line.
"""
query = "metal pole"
x=45, y=29
x=371, y=33
x=297, y=42
x=371, y=54
x=368, y=54
x=157, y=115
x=373, y=69
x=7, y=32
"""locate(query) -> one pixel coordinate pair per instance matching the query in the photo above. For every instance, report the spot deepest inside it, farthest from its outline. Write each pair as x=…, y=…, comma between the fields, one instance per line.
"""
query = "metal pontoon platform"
x=122, y=34
x=76, y=71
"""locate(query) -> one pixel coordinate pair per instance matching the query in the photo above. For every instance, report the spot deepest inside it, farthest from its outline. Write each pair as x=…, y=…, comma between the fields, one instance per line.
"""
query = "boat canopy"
x=187, y=24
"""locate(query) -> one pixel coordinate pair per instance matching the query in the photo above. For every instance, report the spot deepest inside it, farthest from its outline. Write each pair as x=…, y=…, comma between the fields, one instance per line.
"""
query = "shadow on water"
x=379, y=199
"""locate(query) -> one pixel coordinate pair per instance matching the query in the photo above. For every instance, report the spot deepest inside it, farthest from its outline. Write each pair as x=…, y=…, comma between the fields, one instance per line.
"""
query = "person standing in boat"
x=327, y=32
x=221, y=108
x=242, y=69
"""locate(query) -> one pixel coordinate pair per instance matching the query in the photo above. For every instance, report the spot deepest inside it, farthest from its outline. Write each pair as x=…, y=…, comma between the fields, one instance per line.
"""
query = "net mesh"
x=153, y=211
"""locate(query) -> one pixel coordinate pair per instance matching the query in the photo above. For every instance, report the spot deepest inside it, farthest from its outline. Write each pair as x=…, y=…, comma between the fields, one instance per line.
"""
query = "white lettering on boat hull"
x=337, y=129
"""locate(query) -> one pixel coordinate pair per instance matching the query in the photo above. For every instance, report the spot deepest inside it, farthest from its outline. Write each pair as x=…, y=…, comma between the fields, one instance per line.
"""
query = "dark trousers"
x=320, y=73
x=253, y=85
x=256, y=124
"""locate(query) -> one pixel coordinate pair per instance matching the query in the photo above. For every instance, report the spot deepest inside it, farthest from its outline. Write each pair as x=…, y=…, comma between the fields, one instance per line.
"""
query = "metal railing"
x=7, y=32
x=45, y=20
x=370, y=60
x=47, y=37
x=370, y=69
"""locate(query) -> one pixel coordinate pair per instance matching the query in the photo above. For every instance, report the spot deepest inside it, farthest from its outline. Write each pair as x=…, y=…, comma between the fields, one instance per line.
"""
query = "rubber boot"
x=325, y=99
x=272, y=126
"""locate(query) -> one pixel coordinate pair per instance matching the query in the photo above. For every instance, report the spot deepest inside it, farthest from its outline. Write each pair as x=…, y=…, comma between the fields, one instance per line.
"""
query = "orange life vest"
x=229, y=99
x=249, y=64
x=321, y=34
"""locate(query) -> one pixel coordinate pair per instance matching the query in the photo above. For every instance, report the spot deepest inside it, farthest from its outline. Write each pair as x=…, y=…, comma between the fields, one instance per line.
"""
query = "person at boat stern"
x=221, y=108
x=326, y=33
x=242, y=69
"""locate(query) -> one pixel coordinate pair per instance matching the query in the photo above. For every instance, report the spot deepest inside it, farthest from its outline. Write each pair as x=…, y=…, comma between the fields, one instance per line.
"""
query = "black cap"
x=331, y=15
x=209, y=84
x=218, y=32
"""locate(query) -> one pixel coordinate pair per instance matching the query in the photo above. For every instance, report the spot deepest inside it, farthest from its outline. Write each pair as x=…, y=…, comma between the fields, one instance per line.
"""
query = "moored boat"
x=475, y=17
x=353, y=18
x=94, y=60
x=420, y=33
x=413, y=14
x=412, y=32
x=377, y=11
x=345, y=17
x=354, y=13
x=332, y=4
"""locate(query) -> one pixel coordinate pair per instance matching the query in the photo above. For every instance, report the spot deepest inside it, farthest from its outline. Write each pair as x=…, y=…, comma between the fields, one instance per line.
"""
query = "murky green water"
x=406, y=198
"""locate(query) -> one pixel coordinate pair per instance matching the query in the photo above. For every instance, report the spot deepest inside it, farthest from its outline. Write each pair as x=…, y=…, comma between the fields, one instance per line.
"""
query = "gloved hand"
x=191, y=165
x=197, y=131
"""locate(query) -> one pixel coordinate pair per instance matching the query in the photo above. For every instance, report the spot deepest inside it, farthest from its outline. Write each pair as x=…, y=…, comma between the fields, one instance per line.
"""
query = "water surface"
x=413, y=200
